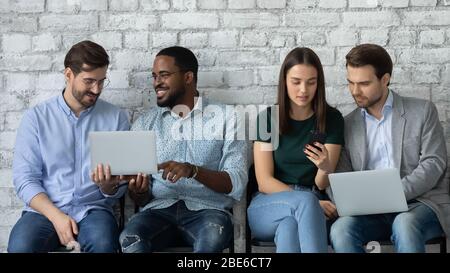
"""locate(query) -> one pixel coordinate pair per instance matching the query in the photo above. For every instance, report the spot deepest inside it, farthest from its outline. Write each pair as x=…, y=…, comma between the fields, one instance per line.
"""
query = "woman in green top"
x=292, y=166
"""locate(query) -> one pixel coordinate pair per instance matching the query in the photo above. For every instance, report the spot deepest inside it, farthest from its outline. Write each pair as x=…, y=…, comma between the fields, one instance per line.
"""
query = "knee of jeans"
x=128, y=241
x=405, y=224
x=287, y=226
x=341, y=229
x=214, y=237
x=307, y=200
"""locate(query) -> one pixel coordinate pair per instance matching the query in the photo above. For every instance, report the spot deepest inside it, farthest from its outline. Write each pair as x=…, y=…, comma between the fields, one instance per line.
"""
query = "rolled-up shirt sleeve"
x=119, y=193
x=27, y=163
x=234, y=161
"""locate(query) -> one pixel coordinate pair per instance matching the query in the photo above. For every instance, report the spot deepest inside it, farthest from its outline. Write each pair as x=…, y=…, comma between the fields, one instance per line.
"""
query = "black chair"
x=252, y=187
x=121, y=217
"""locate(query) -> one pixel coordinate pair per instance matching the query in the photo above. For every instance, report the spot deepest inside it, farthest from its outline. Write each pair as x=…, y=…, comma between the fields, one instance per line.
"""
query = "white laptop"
x=368, y=192
x=127, y=152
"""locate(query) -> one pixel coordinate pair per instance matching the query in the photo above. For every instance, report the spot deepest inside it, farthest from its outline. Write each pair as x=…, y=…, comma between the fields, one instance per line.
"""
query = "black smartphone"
x=317, y=136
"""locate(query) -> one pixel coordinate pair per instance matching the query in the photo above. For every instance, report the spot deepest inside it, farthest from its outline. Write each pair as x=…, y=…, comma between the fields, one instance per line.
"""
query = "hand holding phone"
x=319, y=156
x=317, y=136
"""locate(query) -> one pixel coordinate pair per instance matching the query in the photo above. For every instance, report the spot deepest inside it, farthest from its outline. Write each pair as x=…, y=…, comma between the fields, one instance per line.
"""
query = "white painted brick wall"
x=50, y=81
x=164, y=39
x=239, y=4
x=194, y=40
x=137, y=40
x=223, y=39
x=212, y=4
x=362, y=3
x=7, y=140
x=115, y=22
x=254, y=38
x=371, y=18
x=332, y=4
x=377, y=36
x=152, y=5
x=9, y=23
x=395, y=3
x=343, y=37
x=184, y=5
x=403, y=37
x=60, y=6
x=432, y=37
x=313, y=19
x=46, y=42
x=423, y=3
x=210, y=79
x=16, y=43
x=239, y=78
x=27, y=6
x=269, y=4
x=250, y=20
x=97, y=5
x=110, y=40
x=64, y=22
x=302, y=4
x=123, y=6
x=19, y=82
x=433, y=18
x=240, y=45
x=6, y=178
x=189, y=20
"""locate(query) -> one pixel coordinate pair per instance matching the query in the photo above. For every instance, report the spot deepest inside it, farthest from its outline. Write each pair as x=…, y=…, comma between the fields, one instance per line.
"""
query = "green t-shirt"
x=290, y=161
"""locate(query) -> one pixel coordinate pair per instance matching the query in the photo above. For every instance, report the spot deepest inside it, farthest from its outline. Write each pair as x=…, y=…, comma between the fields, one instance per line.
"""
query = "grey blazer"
x=418, y=148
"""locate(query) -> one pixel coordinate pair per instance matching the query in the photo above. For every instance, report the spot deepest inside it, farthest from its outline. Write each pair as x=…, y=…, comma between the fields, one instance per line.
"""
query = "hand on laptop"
x=319, y=156
x=102, y=177
x=329, y=209
x=175, y=170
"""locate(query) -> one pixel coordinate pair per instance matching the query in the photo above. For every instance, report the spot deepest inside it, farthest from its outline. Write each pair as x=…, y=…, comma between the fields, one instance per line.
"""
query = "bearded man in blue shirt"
x=51, y=168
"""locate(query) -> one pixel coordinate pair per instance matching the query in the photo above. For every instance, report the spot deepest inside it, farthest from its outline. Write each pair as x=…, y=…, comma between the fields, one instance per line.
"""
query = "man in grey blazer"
x=390, y=131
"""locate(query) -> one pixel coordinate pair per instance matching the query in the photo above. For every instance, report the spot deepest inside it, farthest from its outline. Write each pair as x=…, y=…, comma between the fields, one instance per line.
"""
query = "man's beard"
x=369, y=102
x=172, y=98
x=80, y=95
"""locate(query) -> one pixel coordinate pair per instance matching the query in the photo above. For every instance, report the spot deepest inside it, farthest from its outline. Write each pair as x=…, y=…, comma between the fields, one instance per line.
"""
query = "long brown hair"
x=302, y=55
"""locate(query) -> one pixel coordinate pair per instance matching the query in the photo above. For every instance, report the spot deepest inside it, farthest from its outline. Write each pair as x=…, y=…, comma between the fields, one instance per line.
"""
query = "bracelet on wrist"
x=194, y=171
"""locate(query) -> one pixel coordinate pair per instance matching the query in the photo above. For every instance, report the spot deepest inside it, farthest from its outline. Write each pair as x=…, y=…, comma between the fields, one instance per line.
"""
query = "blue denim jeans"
x=97, y=232
x=152, y=230
x=408, y=231
x=294, y=220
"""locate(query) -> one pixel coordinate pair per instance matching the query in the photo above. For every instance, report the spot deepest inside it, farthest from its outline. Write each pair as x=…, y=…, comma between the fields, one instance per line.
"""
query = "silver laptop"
x=127, y=152
x=368, y=192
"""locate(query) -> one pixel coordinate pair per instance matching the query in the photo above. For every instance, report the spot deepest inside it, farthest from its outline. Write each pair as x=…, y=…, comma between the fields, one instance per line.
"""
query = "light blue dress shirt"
x=52, y=155
x=198, y=138
x=379, y=137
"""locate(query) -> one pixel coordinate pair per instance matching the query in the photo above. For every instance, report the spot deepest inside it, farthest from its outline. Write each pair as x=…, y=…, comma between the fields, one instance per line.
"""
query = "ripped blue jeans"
x=152, y=230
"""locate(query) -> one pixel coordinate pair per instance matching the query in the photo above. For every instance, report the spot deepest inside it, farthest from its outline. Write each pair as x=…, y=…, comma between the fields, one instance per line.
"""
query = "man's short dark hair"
x=86, y=52
x=184, y=58
x=370, y=54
